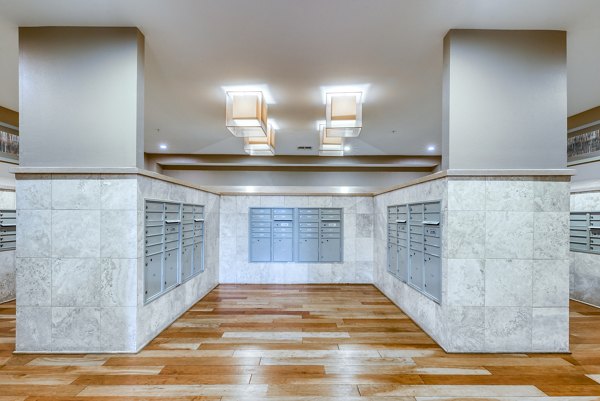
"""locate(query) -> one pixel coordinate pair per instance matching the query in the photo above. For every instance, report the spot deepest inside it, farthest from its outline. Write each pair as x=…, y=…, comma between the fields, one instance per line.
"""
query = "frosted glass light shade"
x=330, y=146
x=343, y=114
x=261, y=146
x=246, y=114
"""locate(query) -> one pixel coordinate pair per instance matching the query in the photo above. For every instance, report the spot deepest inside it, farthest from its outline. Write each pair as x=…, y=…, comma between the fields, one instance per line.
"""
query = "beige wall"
x=81, y=97
x=505, y=99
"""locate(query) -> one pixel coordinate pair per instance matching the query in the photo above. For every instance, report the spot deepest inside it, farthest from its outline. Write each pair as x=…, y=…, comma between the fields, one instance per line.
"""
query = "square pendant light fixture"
x=343, y=114
x=261, y=146
x=330, y=146
x=246, y=113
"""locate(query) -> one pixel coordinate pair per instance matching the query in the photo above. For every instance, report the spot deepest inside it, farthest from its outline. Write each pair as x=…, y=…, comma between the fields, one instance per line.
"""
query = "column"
x=504, y=135
x=78, y=240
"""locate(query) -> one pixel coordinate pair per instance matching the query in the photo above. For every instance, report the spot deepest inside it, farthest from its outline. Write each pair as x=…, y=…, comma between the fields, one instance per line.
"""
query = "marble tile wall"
x=7, y=258
x=158, y=314
x=79, y=263
x=585, y=267
x=504, y=265
x=357, y=266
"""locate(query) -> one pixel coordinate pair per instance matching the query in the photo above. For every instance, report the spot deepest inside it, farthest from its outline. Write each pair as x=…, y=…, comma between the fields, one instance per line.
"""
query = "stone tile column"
x=506, y=240
x=81, y=109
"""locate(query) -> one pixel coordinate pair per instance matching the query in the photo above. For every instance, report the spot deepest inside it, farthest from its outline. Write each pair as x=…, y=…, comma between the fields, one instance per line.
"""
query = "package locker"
x=308, y=235
x=260, y=235
x=330, y=246
x=8, y=225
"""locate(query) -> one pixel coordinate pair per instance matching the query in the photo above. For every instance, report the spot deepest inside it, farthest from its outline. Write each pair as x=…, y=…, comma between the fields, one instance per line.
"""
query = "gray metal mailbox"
x=260, y=234
x=295, y=235
x=283, y=235
x=584, y=233
x=414, y=246
x=8, y=227
x=174, y=245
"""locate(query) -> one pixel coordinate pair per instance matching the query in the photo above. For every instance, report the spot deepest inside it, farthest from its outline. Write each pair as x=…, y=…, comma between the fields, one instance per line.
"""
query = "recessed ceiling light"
x=347, y=148
x=431, y=148
x=162, y=146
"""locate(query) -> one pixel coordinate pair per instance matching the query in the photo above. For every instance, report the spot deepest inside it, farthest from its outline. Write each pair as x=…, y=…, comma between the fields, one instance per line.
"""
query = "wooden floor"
x=302, y=342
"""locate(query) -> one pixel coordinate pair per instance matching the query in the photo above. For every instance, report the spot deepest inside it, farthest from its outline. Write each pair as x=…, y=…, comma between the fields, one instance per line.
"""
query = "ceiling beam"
x=293, y=163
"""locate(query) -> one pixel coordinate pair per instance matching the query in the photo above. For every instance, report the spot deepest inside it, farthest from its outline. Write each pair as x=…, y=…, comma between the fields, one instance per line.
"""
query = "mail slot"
x=309, y=235
x=172, y=217
x=260, y=211
x=433, y=231
x=155, y=207
x=261, y=230
x=309, y=224
x=330, y=235
x=261, y=235
x=330, y=230
x=154, y=230
x=261, y=217
x=416, y=238
x=416, y=209
x=330, y=224
x=282, y=229
x=172, y=207
x=578, y=240
x=431, y=250
x=7, y=238
x=309, y=229
x=171, y=228
x=153, y=239
x=431, y=241
x=154, y=217
x=187, y=234
x=261, y=224
x=153, y=249
x=283, y=224
x=432, y=207
x=308, y=211
x=416, y=229
x=171, y=237
x=187, y=209
x=308, y=217
x=578, y=247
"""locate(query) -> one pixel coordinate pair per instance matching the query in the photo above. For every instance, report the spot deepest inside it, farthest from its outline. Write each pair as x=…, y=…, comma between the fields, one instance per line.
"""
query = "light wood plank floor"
x=302, y=342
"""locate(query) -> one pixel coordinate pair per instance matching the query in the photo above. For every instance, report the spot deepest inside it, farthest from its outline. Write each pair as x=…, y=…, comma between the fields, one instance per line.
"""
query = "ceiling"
x=194, y=48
